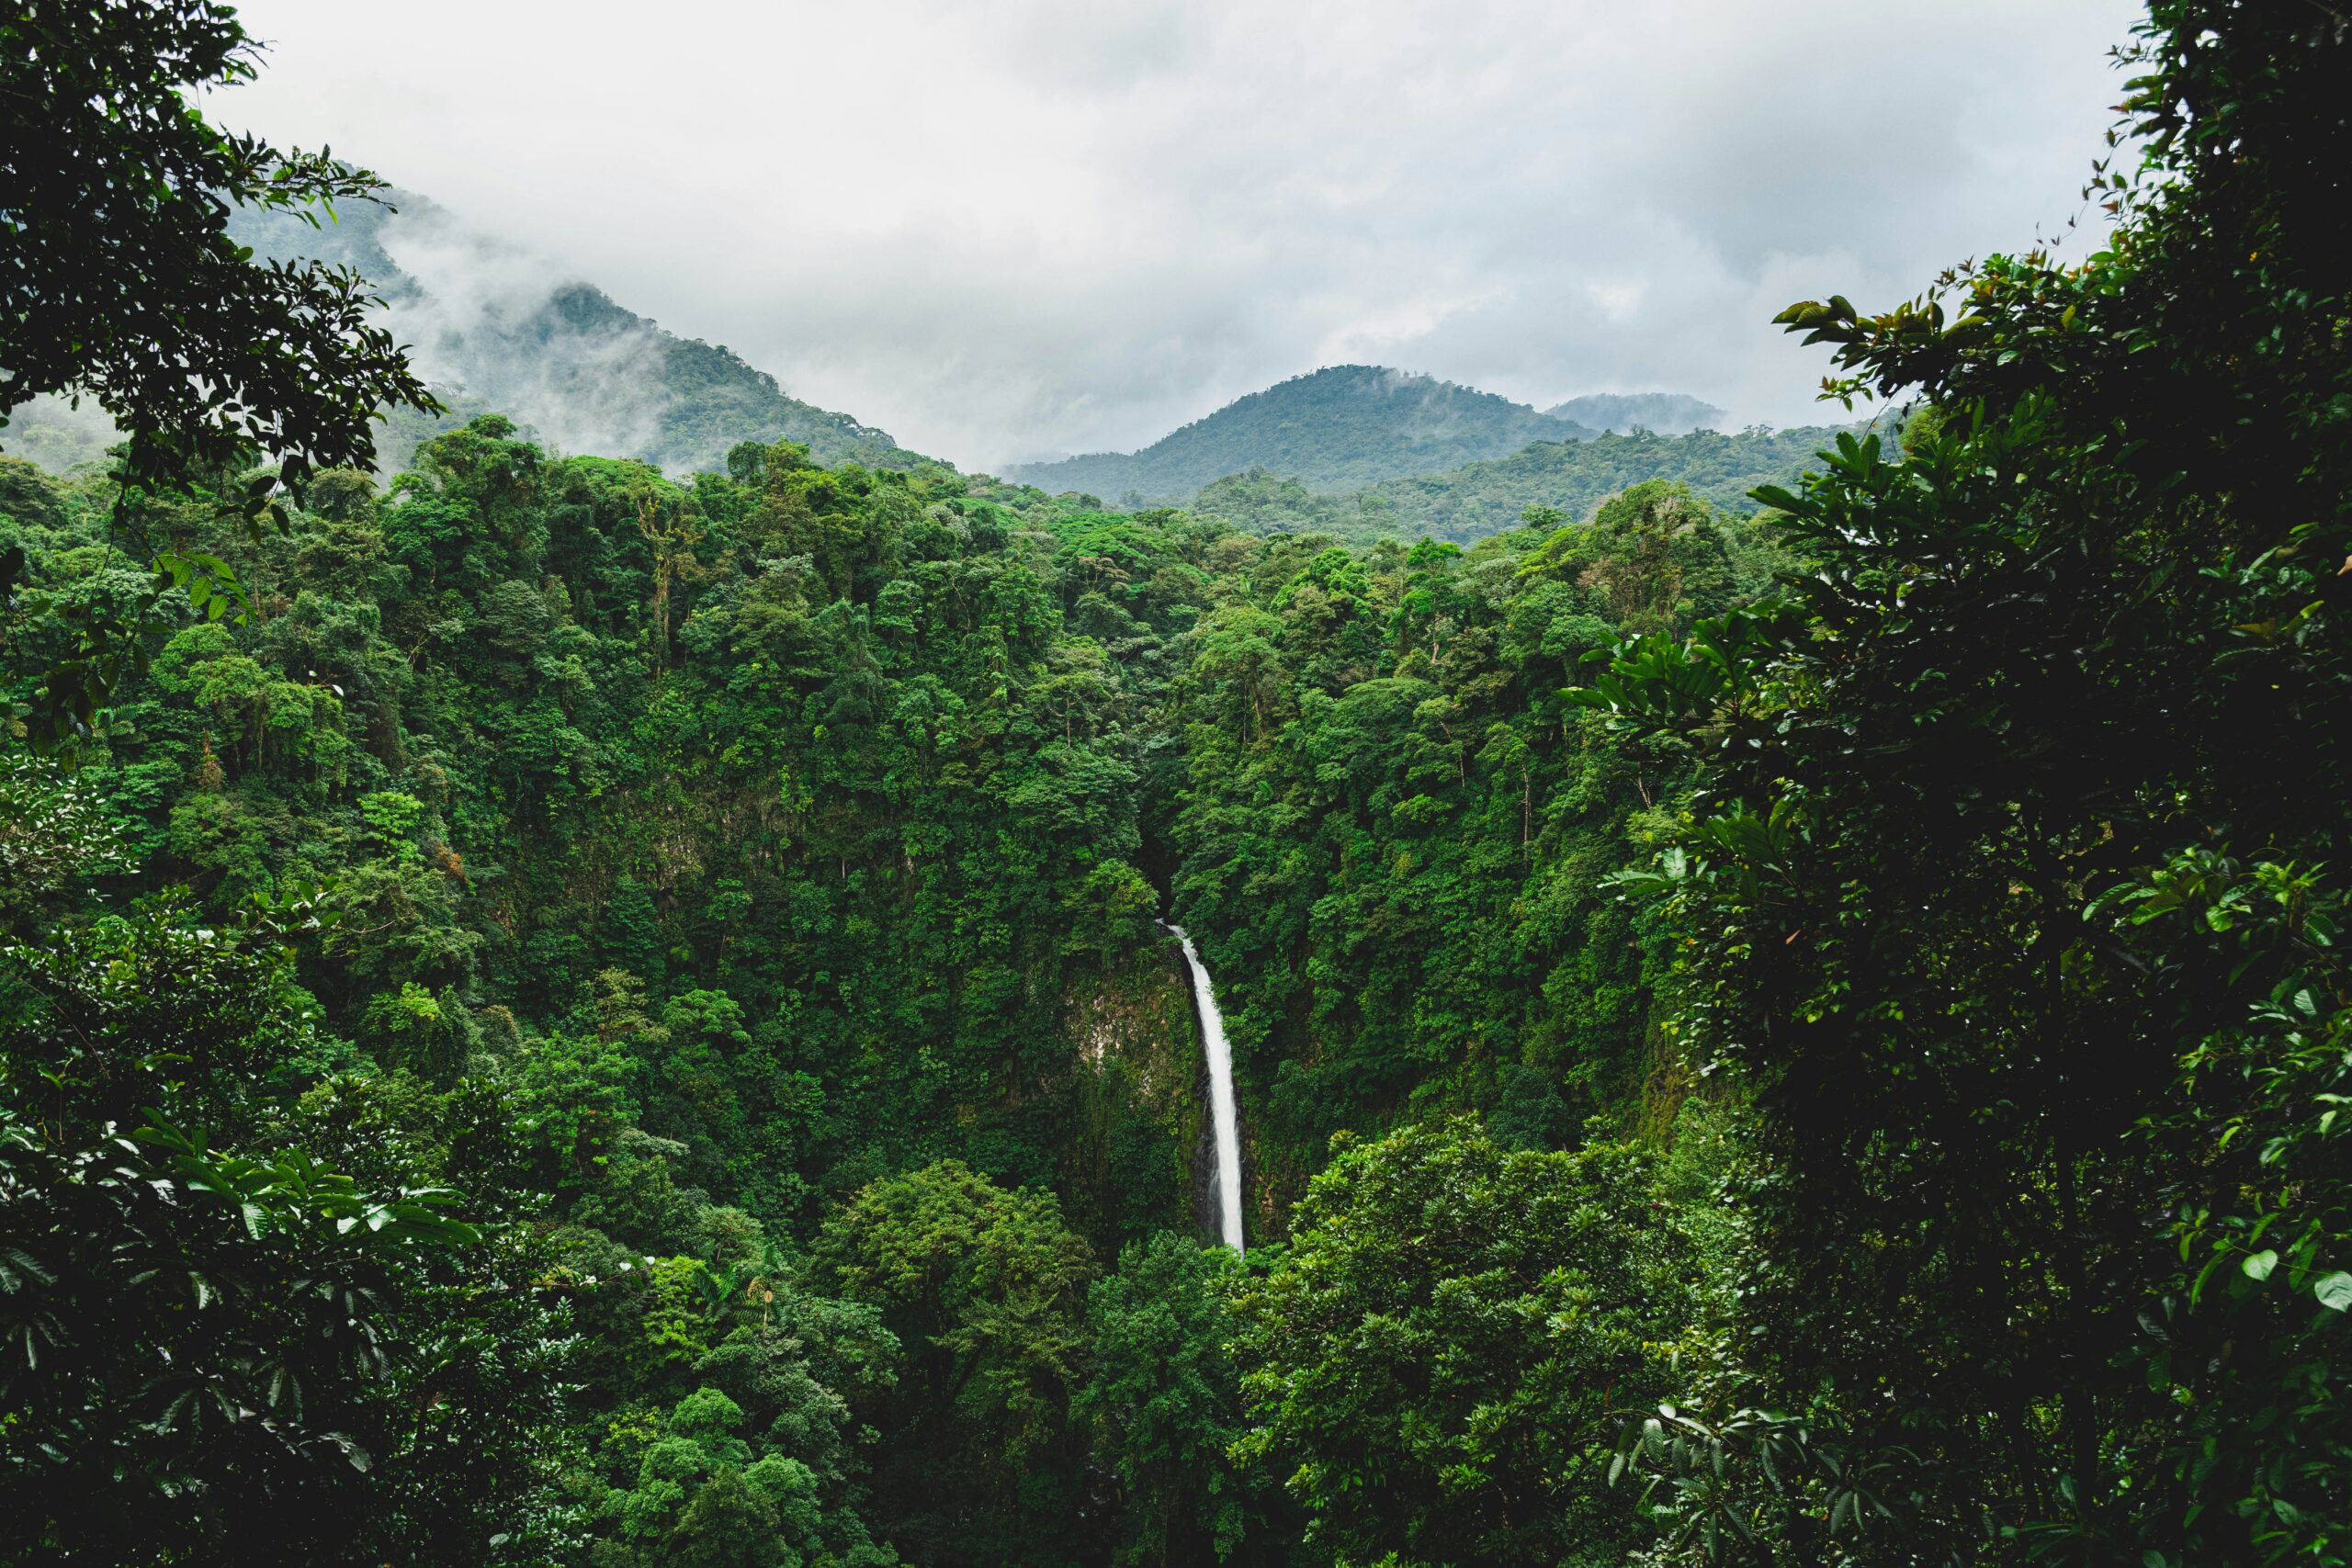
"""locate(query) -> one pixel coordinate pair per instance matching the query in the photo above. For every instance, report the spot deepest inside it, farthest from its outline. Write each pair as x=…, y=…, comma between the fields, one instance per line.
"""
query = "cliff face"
x=1137, y=1158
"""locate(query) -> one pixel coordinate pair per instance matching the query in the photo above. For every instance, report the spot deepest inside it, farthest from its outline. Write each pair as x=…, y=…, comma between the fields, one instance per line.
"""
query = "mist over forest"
x=603, y=966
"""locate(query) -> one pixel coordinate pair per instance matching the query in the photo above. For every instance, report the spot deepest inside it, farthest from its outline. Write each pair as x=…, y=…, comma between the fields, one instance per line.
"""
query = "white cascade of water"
x=1226, y=1120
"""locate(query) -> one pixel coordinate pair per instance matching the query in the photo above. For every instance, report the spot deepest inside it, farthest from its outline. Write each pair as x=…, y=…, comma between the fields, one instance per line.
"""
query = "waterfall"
x=1221, y=1109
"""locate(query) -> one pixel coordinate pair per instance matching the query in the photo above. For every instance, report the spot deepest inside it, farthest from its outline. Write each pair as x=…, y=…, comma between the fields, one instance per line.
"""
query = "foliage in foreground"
x=2012, y=886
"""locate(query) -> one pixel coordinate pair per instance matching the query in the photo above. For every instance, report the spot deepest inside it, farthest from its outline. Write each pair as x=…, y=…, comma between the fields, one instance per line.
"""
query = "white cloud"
x=471, y=325
x=1070, y=225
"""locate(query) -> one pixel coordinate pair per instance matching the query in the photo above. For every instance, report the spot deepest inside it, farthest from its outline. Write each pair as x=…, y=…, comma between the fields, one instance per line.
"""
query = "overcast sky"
x=1039, y=226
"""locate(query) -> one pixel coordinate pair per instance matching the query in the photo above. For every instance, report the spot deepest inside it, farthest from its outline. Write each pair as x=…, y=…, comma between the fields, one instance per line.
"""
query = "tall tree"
x=119, y=280
x=2003, y=888
x=118, y=277
x=988, y=1290
x=1436, y=1359
x=1163, y=1400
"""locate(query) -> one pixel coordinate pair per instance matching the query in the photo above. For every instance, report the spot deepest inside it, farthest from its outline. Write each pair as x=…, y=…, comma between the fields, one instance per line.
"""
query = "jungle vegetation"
x=552, y=1013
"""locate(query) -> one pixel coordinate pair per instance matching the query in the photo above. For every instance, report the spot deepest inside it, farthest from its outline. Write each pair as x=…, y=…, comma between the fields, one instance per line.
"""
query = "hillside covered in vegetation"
x=498, y=328
x=1339, y=428
x=614, y=787
x=1556, y=479
x=512, y=333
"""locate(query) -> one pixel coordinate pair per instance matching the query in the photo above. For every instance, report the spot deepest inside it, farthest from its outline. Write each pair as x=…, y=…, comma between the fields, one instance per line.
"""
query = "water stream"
x=1226, y=1120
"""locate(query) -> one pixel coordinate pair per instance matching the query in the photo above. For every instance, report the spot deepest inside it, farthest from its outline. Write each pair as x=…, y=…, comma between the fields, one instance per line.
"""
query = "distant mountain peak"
x=1335, y=428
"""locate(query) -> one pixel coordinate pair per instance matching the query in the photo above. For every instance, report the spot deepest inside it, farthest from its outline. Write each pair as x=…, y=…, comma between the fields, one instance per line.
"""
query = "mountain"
x=494, y=327
x=1668, y=413
x=1338, y=429
x=1485, y=498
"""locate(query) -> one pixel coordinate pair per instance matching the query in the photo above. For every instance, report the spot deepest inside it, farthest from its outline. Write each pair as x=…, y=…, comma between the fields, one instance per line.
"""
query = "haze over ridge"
x=1051, y=227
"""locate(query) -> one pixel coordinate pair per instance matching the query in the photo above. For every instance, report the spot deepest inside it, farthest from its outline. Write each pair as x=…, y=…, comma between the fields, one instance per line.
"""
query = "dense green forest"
x=747, y=871
x=555, y=1014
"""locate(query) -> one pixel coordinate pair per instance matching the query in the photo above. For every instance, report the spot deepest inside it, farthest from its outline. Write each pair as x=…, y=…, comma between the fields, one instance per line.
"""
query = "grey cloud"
x=1042, y=225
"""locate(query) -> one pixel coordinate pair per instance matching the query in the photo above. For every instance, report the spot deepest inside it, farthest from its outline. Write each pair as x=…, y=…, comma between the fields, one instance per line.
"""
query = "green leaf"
x=2259, y=1267
x=2335, y=1291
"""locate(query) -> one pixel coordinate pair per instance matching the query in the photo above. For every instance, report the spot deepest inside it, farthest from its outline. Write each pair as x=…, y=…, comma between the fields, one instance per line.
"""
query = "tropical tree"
x=118, y=282
x=1163, y=1401
x=2004, y=892
x=1437, y=1359
x=987, y=1289
x=204, y=1335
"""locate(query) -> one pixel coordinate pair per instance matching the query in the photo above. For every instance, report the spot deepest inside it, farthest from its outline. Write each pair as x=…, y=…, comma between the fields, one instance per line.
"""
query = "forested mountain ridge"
x=1334, y=429
x=1363, y=453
